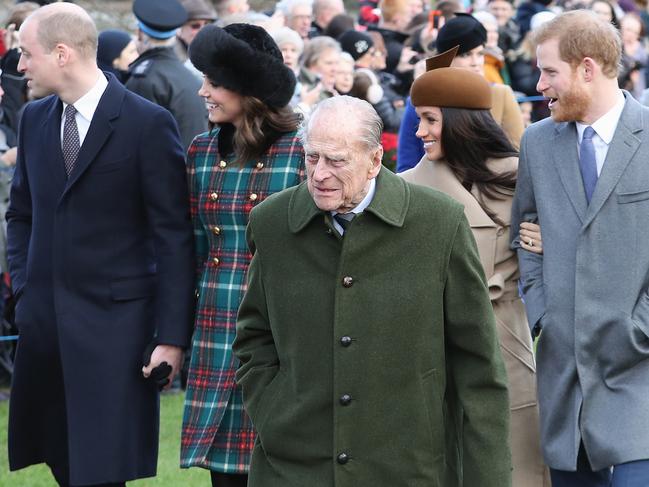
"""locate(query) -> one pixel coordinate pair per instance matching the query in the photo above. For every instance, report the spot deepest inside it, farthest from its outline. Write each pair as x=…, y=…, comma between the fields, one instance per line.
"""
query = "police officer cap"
x=159, y=18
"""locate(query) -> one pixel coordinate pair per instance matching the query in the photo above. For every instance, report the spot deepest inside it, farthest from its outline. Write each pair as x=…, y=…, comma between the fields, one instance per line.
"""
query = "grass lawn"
x=169, y=474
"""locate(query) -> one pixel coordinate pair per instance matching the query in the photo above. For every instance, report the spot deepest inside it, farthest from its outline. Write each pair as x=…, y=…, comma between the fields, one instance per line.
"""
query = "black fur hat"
x=243, y=58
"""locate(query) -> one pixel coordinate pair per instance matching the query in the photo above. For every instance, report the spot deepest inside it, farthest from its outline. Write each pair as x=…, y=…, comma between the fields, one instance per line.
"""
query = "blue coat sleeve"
x=410, y=149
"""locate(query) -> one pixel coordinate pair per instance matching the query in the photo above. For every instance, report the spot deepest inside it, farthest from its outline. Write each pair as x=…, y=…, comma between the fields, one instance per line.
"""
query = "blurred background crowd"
x=371, y=49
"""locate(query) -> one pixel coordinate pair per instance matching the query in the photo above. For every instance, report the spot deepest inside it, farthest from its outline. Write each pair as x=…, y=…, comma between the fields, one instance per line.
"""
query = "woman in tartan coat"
x=253, y=152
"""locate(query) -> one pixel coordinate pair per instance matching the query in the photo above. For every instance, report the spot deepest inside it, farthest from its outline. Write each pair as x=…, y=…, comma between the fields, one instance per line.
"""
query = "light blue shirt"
x=604, y=129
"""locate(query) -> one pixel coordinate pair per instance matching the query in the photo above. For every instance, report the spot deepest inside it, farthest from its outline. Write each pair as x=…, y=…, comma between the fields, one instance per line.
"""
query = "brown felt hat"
x=443, y=86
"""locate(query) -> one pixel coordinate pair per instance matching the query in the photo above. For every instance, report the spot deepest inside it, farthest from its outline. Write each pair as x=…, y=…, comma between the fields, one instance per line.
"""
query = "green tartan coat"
x=216, y=432
x=371, y=360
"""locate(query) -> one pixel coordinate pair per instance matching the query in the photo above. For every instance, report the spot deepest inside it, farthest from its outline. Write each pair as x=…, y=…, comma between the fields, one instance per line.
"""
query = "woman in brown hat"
x=251, y=152
x=469, y=157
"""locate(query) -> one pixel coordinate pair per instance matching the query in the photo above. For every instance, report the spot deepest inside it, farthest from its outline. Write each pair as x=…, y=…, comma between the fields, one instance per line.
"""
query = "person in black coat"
x=158, y=75
x=100, y=251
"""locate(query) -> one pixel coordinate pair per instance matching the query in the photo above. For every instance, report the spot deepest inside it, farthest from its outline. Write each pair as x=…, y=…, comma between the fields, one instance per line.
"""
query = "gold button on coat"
x=260, y=165
x=216, y=230
x=348, y=281
x=223, y=164
x=214, y=196
x=215, y=260
x=253, y=197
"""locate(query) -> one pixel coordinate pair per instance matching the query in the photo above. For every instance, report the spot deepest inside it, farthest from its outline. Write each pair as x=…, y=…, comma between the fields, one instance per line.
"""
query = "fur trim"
x=243, y=58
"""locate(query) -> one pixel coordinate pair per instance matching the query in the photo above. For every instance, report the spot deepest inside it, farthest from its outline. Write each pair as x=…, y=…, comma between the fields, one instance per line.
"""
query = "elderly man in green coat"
x=367, y=342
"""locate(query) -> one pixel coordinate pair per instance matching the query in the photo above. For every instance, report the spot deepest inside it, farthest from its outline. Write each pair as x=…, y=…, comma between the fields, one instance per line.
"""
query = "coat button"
x=260, y=165
x=253, y=197
x=216, y=230
x=215, y=260
x=345, y=399
x=214, y=196
x=223, y=164
x=342, y=458
x=348, y=281
x=345, y=341
x=197, y=294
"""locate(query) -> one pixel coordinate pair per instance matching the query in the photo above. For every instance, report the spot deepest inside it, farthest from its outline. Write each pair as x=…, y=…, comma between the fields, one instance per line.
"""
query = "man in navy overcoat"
x=100, y=255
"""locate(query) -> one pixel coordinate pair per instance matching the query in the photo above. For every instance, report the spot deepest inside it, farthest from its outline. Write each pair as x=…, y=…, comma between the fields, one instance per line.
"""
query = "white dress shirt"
x=361, y=206
x=86, y=107
x=604, y=129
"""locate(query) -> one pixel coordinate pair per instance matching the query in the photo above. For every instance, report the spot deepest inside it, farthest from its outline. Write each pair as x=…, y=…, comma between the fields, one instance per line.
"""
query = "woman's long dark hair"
x=469, y=138
x=261, y=126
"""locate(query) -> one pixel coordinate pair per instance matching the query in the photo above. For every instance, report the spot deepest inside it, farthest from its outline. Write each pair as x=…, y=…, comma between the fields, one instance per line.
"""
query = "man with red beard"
x=584, y=176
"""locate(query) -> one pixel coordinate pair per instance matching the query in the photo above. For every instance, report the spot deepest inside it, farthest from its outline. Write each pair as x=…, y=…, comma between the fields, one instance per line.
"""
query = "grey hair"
x=485, y=17
x=147, y=42
x=361, y=113
x=287, y=6
x=346, y=57
x=320, y=5
x=316, y=47
x=286, y=35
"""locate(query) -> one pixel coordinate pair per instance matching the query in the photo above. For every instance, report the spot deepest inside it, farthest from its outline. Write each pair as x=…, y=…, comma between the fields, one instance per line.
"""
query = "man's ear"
x=62, y=53
x=377, y=158
x=589, y=67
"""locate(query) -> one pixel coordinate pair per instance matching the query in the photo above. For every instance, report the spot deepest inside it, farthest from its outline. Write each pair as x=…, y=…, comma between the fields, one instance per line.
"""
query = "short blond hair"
x=70, y=26
x=581, y=34
x=390, y=9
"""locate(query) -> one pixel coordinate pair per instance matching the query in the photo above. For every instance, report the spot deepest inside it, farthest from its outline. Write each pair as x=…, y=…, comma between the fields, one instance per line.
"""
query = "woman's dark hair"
x=469, y=138
x=339, y=24
x=260, y=127
x=614, y=20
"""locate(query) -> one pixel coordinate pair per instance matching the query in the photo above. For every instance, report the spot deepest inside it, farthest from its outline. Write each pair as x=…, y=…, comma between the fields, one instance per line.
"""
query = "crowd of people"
x=219, y=185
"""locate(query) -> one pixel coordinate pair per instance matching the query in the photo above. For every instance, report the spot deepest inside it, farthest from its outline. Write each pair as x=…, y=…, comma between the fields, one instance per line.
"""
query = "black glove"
x=159, y=374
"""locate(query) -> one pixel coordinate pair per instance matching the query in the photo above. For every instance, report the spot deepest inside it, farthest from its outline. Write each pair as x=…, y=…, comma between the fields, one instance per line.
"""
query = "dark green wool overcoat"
x=371, y=360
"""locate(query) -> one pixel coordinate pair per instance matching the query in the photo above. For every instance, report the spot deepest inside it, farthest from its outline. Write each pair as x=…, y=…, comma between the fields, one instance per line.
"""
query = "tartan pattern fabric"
x=216, y=433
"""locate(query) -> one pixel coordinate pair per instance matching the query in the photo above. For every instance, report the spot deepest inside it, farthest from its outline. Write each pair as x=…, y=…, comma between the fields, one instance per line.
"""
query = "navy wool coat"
x=100, y=261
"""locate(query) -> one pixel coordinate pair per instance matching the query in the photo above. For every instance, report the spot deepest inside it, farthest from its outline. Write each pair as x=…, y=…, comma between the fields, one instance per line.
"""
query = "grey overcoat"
x=588, y=291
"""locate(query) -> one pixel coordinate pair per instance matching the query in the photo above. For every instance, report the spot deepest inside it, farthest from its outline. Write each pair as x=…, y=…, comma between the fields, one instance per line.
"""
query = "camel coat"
x=501, y=269
x=507, y=114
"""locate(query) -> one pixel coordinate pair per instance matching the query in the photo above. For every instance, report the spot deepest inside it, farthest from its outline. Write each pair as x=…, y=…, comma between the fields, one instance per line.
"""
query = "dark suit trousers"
x=631, y=474
x=228, y=480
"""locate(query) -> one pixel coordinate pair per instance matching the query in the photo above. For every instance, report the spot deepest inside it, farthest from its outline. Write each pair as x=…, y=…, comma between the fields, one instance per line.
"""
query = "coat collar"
x=621, y=150
x=439, y=176
x=623, y=147
x=390, y=203
x=100, y=129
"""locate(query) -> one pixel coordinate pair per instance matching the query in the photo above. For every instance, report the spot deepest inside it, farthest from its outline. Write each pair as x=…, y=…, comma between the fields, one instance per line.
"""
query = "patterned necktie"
x=587, y=162
x=70, y=143
x=344, y=219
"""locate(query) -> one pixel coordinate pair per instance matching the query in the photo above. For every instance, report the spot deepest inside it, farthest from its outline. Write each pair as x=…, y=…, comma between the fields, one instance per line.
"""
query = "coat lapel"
x=52, y=132
x=100, y=128
x=437, y=175
x=566, y=157
x=623, y=147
